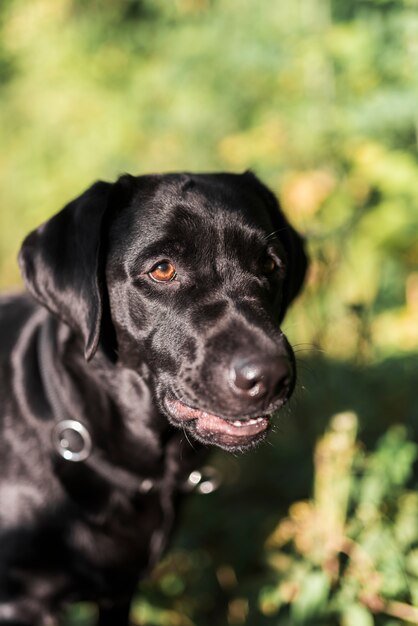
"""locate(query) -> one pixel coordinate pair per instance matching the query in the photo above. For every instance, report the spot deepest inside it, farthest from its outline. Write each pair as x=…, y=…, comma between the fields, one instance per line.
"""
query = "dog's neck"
x=106, y=398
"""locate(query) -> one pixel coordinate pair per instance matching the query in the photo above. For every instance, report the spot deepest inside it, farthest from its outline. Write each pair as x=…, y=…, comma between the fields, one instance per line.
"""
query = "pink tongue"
x=209, y=423
x=213, y=424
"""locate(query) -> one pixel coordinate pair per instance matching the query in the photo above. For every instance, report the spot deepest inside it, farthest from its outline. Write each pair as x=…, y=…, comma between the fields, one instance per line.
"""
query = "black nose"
x=261, y=376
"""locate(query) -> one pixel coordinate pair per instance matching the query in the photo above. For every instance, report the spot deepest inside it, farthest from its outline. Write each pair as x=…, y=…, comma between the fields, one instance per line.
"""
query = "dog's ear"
x=62, y=261
x=293, y=243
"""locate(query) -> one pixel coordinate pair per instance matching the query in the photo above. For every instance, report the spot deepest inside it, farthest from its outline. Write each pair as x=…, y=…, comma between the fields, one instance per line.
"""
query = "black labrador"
x=154, y=323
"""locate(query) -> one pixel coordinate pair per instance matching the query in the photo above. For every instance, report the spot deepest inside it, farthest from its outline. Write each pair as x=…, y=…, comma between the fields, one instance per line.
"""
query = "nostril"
x=247, y=376
x=259, y=377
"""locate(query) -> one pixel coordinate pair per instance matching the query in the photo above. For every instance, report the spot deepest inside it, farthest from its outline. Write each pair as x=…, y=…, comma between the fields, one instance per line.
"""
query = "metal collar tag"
x=62, y=444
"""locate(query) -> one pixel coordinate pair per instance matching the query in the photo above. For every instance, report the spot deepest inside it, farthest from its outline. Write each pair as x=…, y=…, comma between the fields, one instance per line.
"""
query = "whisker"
x=187, y=437
x=275, y=232
x=184, y=429
x=311, y=349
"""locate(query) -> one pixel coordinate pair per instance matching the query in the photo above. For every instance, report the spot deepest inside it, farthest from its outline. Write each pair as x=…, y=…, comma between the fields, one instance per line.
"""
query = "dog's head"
x=185, y=278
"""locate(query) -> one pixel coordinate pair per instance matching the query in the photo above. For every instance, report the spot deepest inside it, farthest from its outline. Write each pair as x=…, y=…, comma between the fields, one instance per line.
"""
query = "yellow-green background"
x=320, y=99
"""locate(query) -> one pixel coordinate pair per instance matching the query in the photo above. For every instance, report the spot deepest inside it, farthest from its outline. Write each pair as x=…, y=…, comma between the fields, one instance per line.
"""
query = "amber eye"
x=268, y=265
x=163, y=272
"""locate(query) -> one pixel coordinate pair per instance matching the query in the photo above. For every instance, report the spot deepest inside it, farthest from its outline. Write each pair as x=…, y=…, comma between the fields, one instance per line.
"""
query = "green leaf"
x=312, y=597
x=357, y=615
x=270, y=600
x=412, y=562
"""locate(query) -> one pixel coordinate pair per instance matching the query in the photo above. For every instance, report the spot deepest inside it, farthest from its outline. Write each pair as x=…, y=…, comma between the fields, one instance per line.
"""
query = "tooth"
x=237, y=423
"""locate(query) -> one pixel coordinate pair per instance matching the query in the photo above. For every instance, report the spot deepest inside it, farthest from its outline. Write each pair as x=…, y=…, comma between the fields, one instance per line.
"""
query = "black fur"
x=144, y=365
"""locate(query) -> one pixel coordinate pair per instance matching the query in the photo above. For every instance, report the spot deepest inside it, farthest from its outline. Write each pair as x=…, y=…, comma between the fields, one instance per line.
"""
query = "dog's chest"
x=89, y=558
x=125, y=535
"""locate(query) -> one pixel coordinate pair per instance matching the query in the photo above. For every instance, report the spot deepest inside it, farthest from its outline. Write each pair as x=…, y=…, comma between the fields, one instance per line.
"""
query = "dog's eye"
x=163, y=272
x=268, y=265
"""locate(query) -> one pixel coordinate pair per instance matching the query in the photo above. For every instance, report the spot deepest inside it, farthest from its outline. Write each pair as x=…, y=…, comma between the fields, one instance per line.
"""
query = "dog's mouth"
x=228, y=433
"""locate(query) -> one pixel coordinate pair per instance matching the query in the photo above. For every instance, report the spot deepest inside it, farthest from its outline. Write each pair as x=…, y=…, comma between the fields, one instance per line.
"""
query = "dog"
x=151, y=331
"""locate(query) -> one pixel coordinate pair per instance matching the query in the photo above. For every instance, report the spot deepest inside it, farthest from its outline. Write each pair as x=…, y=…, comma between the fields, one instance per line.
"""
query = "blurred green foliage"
x=320, y=98
x=352, y=550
